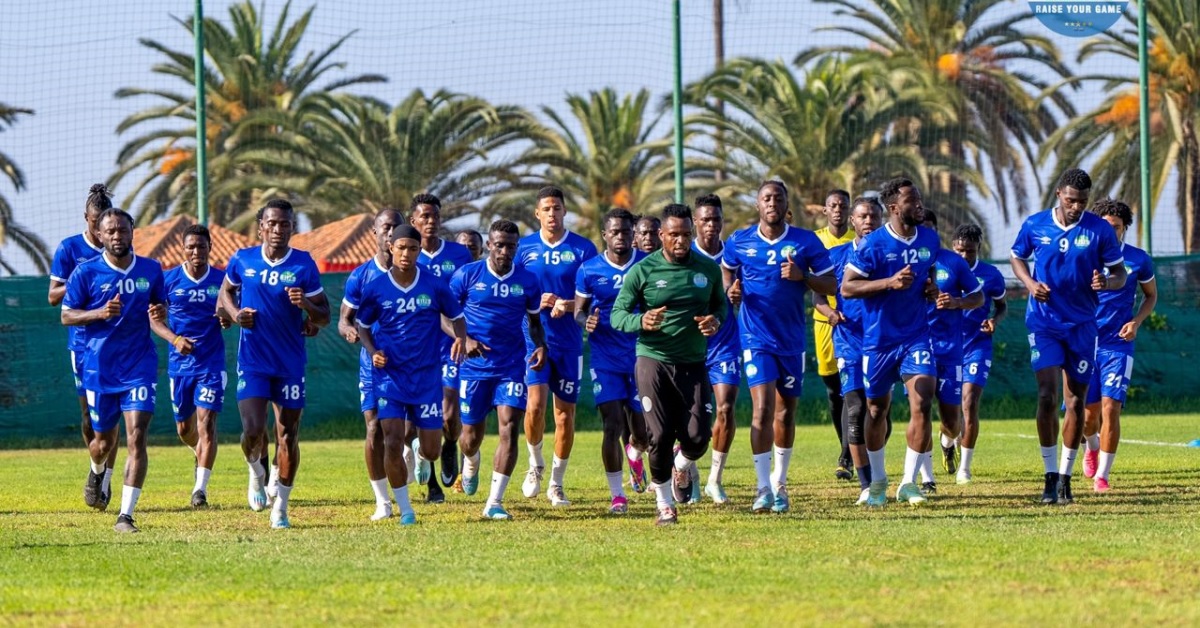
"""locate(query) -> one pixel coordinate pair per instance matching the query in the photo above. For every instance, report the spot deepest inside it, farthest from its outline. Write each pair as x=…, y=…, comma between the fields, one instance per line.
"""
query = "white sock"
x=878, y=468
x=912, y=460
x=925, y=467
x=471, y=465
x=257, y=473
x=281, y=498
x=499, y=485
x=106, y=483
x=717, y=468
x=536, y=461
x=681, y=461
x=1105, y=465
x=1093, y=442
x=402, y=500
x=633, y=453
x=129, y=499
x=410, y=461
x=947, y=441
x=98, y=468
x=1048, y=456
x=783, y=458
x=964, y=465
x=662, y=494
x=380, y=488
x=1067, y=462
x=557, y=471
x=762, y=469
x=202, y=476
x=273, y=479
x=615, y=483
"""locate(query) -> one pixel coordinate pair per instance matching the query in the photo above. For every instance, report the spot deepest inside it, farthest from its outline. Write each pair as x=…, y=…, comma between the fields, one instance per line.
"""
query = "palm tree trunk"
x=1191, y=186
x=719, y=48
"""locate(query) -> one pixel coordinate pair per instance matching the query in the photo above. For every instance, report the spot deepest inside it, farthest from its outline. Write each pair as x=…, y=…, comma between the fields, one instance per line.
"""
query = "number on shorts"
x=788, y=382
x=208, y=395
x=973, y=368
x=567, y=387
x=141, y=393
x=291, y=393
x=515, y=389
x=1113, y=380
x=921, y=357
x=1082, y=368
x=430, y=410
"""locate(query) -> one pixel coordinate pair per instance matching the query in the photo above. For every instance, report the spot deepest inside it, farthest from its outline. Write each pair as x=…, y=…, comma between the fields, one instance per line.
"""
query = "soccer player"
x=1058, y=255
x=442, y=259
x=724, y=351
x=72, y=252
x=1114, y=354
x=113, y=297
x=674, y=300
x=554, y=256
x=268, y=290
x=978, y=326
x=836, y=232
x=646, y=234
x=473, y=241
x=846, y=323
x=400, y=324
x=495, y=295
x=385, y=222
x=613, y=355
x=892, y=272
x=196, y=360
x=775, y=264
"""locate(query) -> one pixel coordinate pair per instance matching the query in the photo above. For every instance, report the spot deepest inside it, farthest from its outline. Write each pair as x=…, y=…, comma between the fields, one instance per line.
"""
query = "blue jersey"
x=119, y=353
x=191, y=313
x=848, y=334
x=1064, y=258
x=600, y=280
x=72, y=252
x=359, y=279
x=407, y=326
x=954, y=278
x=495, y=306
x=726, y=344
x=274, y=346
x=555, y=266
x=992, y=283
x=895, y=317
x=1116, y=306
x=443, y=263
x=771, y=316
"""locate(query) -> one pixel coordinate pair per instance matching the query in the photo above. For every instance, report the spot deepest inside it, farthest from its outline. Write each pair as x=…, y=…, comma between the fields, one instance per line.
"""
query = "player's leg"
x=695, y=432
x=723, y=430
x=919, y=375
x=184, y=392
x=565, y=377
x=974, y=380
x=289, y=394
x=1118, y=369
x=949, y=401
x=635, y=437
x=476, y=402
x=509, y=400
x=206, y=454
x=1077, y=375
x=427, y=448
x=373, y=445
x=1047, y=355
x=761, y=375
x=613, y=418
x=253, y=395
x=1092, y=417
x=89, y=434
x=788, y=387
x=535, y=428
x=654, y=387
x=138, y=412
x=104, y=415
x=451, y=423
x=876, y=437
x=827, y=369
x=393, y=430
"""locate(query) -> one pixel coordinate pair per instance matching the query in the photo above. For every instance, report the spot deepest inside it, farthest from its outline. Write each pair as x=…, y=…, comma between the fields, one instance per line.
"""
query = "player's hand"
x=183, y=345
x=378, y=359
x=1128, y=331
x=837, y=317
x=458, y=350
x=708, y=324
x=947, y=302
x=931, y=290
x=350, y=334
x=223, y=319
x=652, y=320
x=112, y=309
x=902, y=279
x=245, y=317
x=476, y=349
x=593, y=320
x=537, y=359
x=1041, y=292
x=158, y=312
x=561, y=307
x=548, y=300
x=790, y=271
x=734, y=293
x=988, y=327
x=296, y=296
x=309, y=329
x=1099, y=281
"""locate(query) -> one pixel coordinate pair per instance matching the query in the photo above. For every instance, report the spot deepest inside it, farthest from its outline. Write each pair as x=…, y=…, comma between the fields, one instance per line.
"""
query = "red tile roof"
x=164, y=242
x=339, y=246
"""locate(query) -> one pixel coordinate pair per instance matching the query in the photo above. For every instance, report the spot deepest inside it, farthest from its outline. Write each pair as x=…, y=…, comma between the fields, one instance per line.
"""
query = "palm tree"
x=963, y=54
x=251, y=71
x=1109, y=133
x=26, y=240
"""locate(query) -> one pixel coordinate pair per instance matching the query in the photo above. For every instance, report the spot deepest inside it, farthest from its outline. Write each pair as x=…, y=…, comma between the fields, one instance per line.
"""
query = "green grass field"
x=981, y=554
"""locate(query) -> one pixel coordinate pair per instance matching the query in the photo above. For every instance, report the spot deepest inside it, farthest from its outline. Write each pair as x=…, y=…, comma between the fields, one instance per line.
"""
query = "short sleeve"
x=77, y=297
x=233, y=271
x=994, y=286
x=62, y=265
x=352, y=295
x=583, y=283
x=1109, y=246
x=819, y=262
x=967, y=283
x=158, y=286
x=587, y=250
x=447, y=304
x=862, y=261
x=456, y=286
x=311, y=282
x=1146, y=274
x=533, y=295
x=1022, y=248
x=730, y=257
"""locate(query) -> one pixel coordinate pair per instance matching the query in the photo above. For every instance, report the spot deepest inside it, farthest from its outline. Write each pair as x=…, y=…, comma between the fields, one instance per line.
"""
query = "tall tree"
x=29, y=242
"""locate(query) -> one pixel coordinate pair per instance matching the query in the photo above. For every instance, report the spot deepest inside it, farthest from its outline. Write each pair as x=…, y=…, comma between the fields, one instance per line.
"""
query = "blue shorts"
x=367, y=400
x=850, y=372
x=1074, y=350
x=883, y=369
x=976, y=367
x=725, y=369
x=477, y=397
x=189, y=392
x=105, y=409
x=613, y=386
x=77, y=371
x=288, y=392
x=787, y=371
x=1111, y=376
x=564, y=373
x=425, y=412
x=449, y=374
x=949, y=384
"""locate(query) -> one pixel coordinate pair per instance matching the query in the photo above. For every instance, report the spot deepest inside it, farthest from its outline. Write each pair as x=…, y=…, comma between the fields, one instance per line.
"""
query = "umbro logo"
x=750, y=252
x=891, y=257
x=480, y=286
x=661, y=283
x=250, y=272
x=1045, y=239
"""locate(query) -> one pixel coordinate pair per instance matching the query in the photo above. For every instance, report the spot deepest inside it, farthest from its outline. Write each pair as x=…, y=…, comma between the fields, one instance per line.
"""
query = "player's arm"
x=346, y=326
x=583, y=305
x=855, y=285
x=58, y=289
x=1037, y=289
x=227, y=300
x=75, y=318
x=316, y=306
x=821, y=304
x=160, y=328
x=1116, y=276
x=1150, y=299
x=825, y=284
x=969, y=302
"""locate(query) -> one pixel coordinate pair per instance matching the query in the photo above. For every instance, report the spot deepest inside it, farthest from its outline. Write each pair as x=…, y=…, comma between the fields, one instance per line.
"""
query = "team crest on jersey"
x=942, y=275
x=448, y=266
x=212, y=291
x=423, y=300
x=924, y=254
x=287, y=278
x=250, y=272
x=787, y=252
x=517, y=290
x=1082, y=241
x=142, y=284
x=699, y=280
x=568, y=257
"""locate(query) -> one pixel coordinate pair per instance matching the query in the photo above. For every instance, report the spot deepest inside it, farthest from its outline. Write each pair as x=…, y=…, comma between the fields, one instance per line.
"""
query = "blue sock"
x=864, y=476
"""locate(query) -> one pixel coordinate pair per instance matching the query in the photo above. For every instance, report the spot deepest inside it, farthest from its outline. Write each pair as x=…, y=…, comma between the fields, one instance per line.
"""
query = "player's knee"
x=725, y=413
x=855, y=419
x=393, y=440
x=430, y=450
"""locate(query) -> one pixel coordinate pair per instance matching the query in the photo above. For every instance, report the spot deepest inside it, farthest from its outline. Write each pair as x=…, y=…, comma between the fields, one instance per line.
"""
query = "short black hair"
x=472, y=233
x=709, y=200
x=425, y=199
x=277, y=203
x=115, y=211
x=619, y=213
x=550, y=191
x=389, y=210
x=676, y=210
x=1112, y=207
x=890, y=191
x=931, y=217
x=869, y=201
x=1075, y=178
x=775, y=182
x=504, y=226
x=653, y=220
x=99, y=198
x=842, y=193
x=199, y=231
x=968, y=233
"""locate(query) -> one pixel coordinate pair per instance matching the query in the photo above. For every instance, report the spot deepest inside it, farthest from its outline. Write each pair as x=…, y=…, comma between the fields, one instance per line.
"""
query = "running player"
x=724, y=352
x=613, y=355
x=114, y=296
x=554, y=256
x=196, y=360
x=892, y=272
x=776, y=264
x=1114, y=354
x=836, y=232
x=72, y=252
x=268, y=289
x=646, y=234
x=495, y=295
x=400, y=324
x=1067, y=248
x=473, y=241
x=846, y=322
x=442, y=259
x=978, y=326
x=385, y=222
